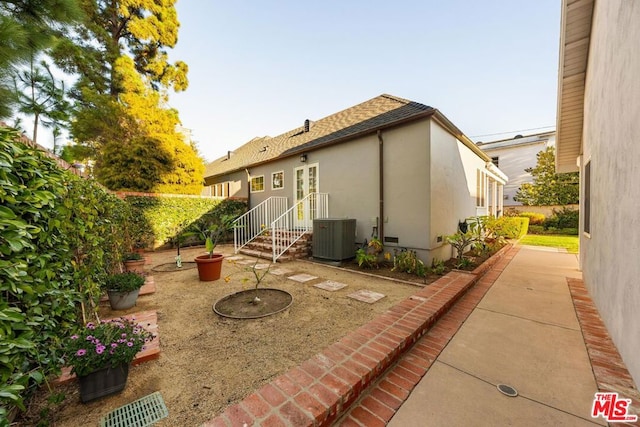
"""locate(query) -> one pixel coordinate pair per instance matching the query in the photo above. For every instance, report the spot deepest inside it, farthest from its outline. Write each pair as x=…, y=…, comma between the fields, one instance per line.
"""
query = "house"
x=400, y=168
x=514, y=155
x=598, y=134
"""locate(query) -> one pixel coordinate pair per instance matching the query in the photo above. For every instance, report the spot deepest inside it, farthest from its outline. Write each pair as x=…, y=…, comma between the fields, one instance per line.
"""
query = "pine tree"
x=122, y=120
x=28, y=27
x=548, y=187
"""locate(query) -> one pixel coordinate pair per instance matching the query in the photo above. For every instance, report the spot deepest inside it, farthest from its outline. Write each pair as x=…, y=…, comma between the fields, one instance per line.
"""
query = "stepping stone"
x=330, y=286
x=302, y=277
x=366, y=296
x=246, y=262
x=262, y=266
x=234, y=258
x=279, y=271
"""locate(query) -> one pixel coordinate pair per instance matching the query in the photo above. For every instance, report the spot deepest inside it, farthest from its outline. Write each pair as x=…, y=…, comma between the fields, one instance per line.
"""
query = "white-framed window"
x=277, y=180
x=586, y=204
x=481, y=189
x=257, y=183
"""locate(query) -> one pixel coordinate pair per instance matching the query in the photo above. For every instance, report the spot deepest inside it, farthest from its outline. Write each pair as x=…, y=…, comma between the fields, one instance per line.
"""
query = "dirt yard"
x=208, y=362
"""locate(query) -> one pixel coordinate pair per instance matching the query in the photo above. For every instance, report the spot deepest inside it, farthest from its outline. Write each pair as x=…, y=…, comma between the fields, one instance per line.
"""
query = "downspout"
x=248, y=189
x=381, y=186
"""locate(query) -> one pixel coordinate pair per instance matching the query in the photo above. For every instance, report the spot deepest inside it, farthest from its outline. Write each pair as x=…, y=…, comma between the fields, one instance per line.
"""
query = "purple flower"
x=100, y=349
x=90, y=325
x=123, y=335
x=114, y=345
x=130, y=344
x=74, y=337
x=81, y=352
x=90, y=338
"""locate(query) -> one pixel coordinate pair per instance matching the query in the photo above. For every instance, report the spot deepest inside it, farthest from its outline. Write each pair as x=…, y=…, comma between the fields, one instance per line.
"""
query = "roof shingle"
x=381, y=111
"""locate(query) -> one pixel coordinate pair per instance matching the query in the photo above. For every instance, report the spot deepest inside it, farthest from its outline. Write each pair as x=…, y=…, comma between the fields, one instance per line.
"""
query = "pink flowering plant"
x=106, y=344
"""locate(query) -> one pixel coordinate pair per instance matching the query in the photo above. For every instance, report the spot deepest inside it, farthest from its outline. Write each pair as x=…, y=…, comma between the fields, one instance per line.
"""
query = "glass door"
x=306, y=182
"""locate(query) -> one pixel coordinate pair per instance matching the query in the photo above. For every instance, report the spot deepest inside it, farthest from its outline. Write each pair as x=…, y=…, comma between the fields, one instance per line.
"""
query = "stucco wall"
x=610, y=255
x=453, y=187
x=422, y=162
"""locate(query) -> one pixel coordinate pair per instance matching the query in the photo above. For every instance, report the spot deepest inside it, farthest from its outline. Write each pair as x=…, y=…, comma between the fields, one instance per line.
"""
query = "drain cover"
x=507, y=390
x=141, y=413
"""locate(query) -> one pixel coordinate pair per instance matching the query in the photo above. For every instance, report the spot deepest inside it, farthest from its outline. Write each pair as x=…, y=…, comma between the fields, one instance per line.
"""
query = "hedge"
x=157, y=220
x=58, y=239
x=511, y=227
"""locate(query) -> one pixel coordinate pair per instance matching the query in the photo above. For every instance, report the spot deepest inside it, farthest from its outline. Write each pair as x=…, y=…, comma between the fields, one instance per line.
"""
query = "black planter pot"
x=103, y=382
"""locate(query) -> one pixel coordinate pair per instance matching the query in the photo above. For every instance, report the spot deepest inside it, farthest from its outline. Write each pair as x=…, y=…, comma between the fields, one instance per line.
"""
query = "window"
x=220, y=190
x=587, y=198
x=277, y=180
x=496, y=161
x=481, y=188
x=257, y=183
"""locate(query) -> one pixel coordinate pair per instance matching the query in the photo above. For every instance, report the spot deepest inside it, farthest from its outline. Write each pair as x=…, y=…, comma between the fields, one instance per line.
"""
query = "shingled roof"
x=380, y=112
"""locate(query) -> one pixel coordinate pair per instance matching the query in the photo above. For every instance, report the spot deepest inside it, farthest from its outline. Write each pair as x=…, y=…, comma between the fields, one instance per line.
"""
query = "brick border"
x=385, y=397
x=609, y=370
x=323, y=388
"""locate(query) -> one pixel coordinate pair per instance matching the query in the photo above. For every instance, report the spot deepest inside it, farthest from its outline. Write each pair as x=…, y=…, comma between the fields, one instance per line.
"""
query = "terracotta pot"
x=135, y=266
x=123, y=300
x=209, y=268
x=103, y=382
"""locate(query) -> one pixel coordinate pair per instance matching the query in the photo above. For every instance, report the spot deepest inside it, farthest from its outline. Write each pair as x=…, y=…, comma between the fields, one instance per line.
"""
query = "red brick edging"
x=609, y=370
x=323, y=388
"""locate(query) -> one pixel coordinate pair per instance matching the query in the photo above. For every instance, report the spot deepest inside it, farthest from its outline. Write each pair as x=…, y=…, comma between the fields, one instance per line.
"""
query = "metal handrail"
x=289, y=227
x=254, y=222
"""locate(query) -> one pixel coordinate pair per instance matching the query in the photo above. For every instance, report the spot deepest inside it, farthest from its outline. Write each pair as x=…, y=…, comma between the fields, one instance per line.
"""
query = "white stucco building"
x=403, y=170
x=598, y=133
x=514, y=155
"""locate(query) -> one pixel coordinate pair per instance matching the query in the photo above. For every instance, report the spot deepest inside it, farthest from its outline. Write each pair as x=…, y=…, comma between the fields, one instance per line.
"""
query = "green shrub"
x=59, y=238
x=534, y=217
x=407, y=261
x=539, y=229
x=564, y=217
x=163, y=218
x=123, y=282
x=510, y=227
x=365, y=259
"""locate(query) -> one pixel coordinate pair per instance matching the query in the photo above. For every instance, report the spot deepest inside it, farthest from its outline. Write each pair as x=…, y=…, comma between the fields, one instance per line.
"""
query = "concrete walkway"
x=523, y=333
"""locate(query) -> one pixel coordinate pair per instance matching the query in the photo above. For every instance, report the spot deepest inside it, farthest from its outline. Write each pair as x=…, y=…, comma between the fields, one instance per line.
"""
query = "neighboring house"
x=598, y=133
x=400, y=168
x=514, y=155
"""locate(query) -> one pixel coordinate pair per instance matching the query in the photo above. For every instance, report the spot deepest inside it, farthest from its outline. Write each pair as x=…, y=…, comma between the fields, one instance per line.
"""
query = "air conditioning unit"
x=334, y=239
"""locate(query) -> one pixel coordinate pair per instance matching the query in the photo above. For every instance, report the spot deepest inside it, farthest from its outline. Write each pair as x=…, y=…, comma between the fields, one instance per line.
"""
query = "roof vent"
x=229, y=153
x=517, y=136
x=307, y=125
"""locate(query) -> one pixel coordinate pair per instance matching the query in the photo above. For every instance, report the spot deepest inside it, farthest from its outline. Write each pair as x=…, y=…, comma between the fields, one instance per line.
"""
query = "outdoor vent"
x=307, y=125
x=334, y=239
x=388, y=239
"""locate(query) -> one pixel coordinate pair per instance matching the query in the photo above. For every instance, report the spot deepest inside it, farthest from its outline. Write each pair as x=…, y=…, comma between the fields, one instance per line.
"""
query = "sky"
x=262, y=68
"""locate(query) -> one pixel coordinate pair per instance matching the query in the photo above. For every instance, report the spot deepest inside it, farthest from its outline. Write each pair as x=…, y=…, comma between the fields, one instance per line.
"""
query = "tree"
x=121, y=117
x=28, y=27
x=40, y=95
x=549, y=187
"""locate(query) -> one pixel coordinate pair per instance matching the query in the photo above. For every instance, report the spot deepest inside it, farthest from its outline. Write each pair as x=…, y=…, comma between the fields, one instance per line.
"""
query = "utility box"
x=334, y=238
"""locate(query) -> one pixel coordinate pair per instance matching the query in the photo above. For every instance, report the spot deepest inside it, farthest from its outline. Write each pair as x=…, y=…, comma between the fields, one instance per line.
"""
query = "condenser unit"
x=334, y=238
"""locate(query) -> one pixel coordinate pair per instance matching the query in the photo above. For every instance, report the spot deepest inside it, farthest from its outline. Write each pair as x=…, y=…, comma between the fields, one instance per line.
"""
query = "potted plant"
x=123, y=289
x=210, y=265
x=100, y=355
x=134, y=262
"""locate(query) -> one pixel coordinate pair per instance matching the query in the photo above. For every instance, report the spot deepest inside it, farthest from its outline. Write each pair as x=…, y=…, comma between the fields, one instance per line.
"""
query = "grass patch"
x=571, y=243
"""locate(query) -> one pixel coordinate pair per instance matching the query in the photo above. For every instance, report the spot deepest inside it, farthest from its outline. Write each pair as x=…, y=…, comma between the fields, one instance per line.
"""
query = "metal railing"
x=298, y=220
x=256, y=221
